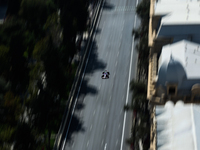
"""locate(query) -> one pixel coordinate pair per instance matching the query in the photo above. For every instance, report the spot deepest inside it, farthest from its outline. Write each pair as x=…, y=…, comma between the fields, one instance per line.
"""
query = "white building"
x=174, y=38
x=179, y=68
x=177, y=126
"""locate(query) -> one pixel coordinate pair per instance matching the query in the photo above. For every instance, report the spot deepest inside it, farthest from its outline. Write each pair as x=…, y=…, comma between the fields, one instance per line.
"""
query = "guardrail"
x=63, y=130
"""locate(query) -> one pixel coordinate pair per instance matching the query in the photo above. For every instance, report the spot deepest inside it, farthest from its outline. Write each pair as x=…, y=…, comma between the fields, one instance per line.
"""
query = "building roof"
x=179, y=60
x=178, y=17
x=178, y=126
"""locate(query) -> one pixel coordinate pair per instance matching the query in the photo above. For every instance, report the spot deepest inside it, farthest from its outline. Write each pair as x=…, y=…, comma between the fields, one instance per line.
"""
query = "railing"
x=61, y=135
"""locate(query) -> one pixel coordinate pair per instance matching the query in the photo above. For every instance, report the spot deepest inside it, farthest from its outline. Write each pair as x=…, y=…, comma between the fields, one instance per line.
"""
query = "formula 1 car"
x=105, y=74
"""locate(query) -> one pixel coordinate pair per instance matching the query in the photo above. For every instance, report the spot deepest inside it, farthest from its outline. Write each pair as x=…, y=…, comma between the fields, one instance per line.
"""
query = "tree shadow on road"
x=94, y=62
x=87, y=89
x=98, y=30
x=75, y=126
x=108, y=6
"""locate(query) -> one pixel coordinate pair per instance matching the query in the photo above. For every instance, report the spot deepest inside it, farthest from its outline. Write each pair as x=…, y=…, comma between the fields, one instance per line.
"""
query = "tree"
x=45, y=115
x=73, y=18
x=13, y=108
x=4, y=59
x=19, y=69
x=143, y=9
x=36, y=12
x=6, y=133
x=138, y=88
x=24, y=138
x=55, y=75
x=13, y=7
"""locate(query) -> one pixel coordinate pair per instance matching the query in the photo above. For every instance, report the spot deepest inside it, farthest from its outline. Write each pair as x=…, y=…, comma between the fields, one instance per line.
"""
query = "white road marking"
x=73, y=145
x=119, y=126
x=107, y=111
x=116, y=63
x=114, y=74
x=88, y=143
x=122, y=139
x=90, y=127
x=105, y=146
x=116, y=142
x=117, y=53
x=99, y=86
x=94, y=113
x=102, y=142
x=105, y=127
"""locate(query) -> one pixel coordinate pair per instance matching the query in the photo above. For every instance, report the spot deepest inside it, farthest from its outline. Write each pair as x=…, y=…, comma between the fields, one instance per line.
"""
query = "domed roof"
x=171, y=71
x=180, y=103
x=169, y=104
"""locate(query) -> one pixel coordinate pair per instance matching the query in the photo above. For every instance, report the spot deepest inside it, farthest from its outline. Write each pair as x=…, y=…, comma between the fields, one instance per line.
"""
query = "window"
x=172, y=90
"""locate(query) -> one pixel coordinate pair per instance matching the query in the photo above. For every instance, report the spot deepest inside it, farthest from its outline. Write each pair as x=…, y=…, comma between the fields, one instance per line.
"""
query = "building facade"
x=174, y=60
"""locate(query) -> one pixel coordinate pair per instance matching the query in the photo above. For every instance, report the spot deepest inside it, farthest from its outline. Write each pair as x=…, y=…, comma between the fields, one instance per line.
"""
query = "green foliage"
x=13, y=7
x=13, y=107
x=41, y=48
x=4, y=59
x=6, y=133
x=24, y=138
x=126, y=107
x=136, y=33
x=143, y=9
x=29, y=41
x=138, y=88
x=30, y=45
x=11, y=28
x=73, y=19
x=35, y=12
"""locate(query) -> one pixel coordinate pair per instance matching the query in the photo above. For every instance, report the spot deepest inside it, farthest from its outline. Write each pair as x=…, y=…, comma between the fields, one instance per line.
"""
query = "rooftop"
x=185, y=53
x=178, y=126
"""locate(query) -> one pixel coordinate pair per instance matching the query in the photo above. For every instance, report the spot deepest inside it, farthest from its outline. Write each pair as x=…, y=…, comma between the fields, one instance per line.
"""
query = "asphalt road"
x=98, y=120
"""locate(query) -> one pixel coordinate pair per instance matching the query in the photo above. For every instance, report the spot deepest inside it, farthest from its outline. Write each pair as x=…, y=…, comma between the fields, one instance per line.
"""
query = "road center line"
x=105, y=146
x=105, y=127
x=88, y=143
x=94, y=113
x=90, y=127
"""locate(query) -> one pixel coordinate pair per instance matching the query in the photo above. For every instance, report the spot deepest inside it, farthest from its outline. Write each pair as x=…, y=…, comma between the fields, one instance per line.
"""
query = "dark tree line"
x=37, y=44
x=140, y=129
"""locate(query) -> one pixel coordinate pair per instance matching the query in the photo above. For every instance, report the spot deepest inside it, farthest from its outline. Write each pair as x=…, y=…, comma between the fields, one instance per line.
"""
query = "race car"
x=105, y=74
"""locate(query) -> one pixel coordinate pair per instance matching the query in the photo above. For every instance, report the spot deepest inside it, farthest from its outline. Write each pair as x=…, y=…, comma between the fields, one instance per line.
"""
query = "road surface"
x=98, y=121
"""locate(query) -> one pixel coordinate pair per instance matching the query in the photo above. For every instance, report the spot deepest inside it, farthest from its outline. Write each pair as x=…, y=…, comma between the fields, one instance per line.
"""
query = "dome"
x=171, y=71
x=180, y=103
x=169, y=104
